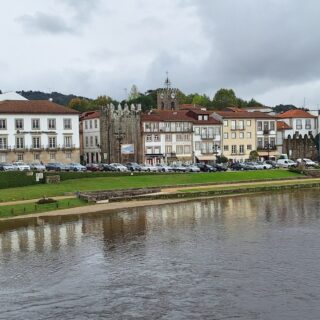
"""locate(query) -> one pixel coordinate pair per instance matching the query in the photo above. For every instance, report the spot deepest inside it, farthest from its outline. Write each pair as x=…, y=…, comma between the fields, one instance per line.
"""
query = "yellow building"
x=244, y=131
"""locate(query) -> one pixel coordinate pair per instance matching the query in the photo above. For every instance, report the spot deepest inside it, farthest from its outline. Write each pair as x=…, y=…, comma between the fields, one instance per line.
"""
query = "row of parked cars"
x=37, y=166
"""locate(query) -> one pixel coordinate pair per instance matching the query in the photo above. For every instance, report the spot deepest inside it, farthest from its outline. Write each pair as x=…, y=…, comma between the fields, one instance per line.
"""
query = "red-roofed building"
x=187, y=135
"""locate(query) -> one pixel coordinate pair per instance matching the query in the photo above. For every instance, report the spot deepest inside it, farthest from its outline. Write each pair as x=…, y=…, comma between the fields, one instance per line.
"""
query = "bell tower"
x=167, y=97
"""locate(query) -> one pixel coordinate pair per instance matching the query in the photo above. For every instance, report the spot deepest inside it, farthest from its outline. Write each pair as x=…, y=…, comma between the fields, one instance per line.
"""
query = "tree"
x=134, y=93
x=222, y=159
x=224, y=98
x=102, y=101
x=201, y=100
x=79, y=104
x=254, y=155
x=283, y=108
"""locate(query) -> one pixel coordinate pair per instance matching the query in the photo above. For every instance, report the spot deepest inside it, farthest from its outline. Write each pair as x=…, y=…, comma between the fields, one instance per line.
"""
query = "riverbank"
x=175, y=195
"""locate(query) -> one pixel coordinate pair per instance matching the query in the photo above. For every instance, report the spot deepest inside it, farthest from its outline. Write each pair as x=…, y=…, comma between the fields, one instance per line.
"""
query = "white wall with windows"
x=91, y=140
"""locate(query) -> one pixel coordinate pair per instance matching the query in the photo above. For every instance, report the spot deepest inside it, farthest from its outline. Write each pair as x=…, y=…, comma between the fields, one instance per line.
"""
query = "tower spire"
x=167, y=82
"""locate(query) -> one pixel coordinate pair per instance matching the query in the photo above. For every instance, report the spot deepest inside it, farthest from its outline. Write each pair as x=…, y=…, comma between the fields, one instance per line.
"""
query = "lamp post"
x=119, y=137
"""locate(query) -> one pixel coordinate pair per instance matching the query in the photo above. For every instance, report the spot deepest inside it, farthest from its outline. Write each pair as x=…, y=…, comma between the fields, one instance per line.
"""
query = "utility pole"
x=119, y=137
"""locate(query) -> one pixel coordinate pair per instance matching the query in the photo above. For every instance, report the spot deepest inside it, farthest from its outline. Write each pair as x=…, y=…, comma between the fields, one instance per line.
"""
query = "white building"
x=11, y=96
x=38, y=130
x=90, y=126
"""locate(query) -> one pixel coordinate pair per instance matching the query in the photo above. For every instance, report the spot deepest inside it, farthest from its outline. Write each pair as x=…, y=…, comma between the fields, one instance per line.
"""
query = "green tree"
x=134, y=93
x=79, y=104
x=201, y=100
x=102, y=101
x=254, y=155
x=224, y=98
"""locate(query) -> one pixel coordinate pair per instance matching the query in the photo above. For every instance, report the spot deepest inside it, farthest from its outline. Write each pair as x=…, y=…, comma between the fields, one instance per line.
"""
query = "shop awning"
x=206, y=158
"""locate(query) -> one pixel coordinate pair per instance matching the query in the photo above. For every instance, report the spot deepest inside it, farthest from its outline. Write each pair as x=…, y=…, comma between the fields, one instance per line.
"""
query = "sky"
x=268, y=50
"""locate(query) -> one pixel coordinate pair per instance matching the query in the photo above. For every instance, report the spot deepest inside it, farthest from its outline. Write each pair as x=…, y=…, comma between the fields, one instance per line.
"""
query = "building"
x=90, y=136
x=180, y=136
x=11, y=96
x=243, y=132
x=36, y=130
x=167, y=97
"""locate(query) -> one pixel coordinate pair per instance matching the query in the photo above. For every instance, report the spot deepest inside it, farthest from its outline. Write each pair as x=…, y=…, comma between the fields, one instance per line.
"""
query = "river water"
x=246, y=257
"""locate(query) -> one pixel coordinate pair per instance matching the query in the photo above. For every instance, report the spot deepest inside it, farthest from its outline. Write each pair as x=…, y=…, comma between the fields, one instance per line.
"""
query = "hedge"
x=12, y=179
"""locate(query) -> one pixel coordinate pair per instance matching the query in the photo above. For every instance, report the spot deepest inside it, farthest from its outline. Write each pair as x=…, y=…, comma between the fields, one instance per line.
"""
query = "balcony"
x=266, y=148
x=266, y=131
x=68, y=147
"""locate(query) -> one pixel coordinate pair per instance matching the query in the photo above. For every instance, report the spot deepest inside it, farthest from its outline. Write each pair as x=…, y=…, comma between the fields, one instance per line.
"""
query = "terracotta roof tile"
x=281, y=125
x=296, y=113
x=34, y=107
x=90, y=115
x=245, y=115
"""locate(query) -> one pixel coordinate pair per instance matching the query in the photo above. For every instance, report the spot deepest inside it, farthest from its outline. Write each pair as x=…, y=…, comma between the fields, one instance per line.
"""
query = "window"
x=36, y=144
x=52, y=142
x=86, y=124
x=249, y=135
x=308, y=124
x=272, y=142
x=168, y=149
x=19, y=142
x=204, y=133
x=19, y=124
x=168, y=137
x=149, y=150
x=197, y=130
x=156, y=137
x=225, y=123
x=205, y=117
x=259, y=125
x=272, y=125
x=210, y=133
x=3, y=143
x=67, y=124
x=225, y=148
x=233, y=135
x=149, y=138
x=3, y=124
x=179, y=149
x=241, y=135
x=225, y=135
x=298, y=124
x=241, y=124
x=260, y=143
x=179, y=137
x=96, y=141
x=233, y=124
x=90, y=125
x=91, y=141
x=68, y=155
x=20, y=157
x=157, y=150
x=233, y=149
x=51, y=124
x=249, y=147
x=35, y=124
x=36, y=156
x=241, y=149
x=200, y=117
x=248, y=123
x=187, y=149
x=87, y=141
x=67, y=141
x=52, y=156
x=96, y=123
x=198, y=145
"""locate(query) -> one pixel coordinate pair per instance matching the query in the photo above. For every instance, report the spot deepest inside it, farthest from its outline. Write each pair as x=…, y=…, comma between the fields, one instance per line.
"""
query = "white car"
x=37, y=166
x=163, y=168
x=75, y=167
x=192, y=168
x=263, y=165
x=150, y=168
x=307, y=162
x=20, y=166
x=119, y=167
x=286, y=163
x=6, y=167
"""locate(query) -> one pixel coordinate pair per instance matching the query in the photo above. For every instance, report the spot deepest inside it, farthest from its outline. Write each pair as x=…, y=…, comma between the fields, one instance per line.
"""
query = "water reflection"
x=225, y=257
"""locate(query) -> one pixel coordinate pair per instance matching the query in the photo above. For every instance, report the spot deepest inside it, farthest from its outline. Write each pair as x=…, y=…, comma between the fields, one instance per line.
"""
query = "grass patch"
x=28, y=208
x=138, y=181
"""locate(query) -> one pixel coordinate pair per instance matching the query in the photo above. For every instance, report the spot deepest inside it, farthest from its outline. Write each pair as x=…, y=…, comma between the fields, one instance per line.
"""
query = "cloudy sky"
x=266, y=49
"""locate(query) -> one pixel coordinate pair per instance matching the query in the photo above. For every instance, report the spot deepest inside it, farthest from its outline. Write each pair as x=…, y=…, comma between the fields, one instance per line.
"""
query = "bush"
x=12, y=179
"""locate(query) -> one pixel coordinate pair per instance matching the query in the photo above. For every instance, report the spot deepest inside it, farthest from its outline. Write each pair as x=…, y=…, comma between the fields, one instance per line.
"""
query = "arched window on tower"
x=173, y=106
x=162, y=105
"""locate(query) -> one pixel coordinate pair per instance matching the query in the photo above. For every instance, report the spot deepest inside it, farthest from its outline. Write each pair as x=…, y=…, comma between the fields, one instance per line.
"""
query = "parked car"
x=206, y=167
x=286, y=163
x=37, y=166
x=163, y=167
x=263, y=165
x=6, y=167
x=107, y=167
x=307, y=162
x=272, y=163
x=133, y=166
x=119, y=167
x=93, y=167
x=55, y=166
x=179, y=168
x=239, y=166
x=192, y=168
x=20, y=166
x=75, y=167
x=251, y=165
x=219, y=167
x=150, y=168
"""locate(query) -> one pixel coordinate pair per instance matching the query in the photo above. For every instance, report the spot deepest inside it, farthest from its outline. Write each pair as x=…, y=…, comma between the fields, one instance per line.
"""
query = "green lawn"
x=136, y=181
x=21, y=209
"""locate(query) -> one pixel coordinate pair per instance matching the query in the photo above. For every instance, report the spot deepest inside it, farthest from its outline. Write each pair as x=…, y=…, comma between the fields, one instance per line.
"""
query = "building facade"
x=36, y=130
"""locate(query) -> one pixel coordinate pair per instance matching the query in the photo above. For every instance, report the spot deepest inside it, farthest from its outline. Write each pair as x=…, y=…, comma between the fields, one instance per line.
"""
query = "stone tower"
x=167, y=97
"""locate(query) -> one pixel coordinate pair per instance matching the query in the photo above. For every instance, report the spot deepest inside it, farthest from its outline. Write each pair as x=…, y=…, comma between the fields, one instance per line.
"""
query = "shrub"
x=12, y=179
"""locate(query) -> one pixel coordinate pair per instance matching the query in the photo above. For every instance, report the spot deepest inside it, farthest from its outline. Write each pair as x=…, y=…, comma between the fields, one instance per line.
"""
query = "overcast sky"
x=265, y=49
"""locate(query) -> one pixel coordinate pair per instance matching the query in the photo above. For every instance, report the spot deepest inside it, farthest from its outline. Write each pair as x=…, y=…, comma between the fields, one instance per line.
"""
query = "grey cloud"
x=42, y=22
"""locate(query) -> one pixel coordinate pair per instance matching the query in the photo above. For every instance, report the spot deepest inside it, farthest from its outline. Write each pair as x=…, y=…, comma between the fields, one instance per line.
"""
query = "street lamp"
x=119, y=137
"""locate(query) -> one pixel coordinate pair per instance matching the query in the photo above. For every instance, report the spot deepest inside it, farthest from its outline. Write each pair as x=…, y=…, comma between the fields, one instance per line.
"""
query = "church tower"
x=167, y=97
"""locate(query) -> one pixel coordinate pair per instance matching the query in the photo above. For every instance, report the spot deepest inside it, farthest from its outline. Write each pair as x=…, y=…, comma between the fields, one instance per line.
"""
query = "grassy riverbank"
x=136, y=181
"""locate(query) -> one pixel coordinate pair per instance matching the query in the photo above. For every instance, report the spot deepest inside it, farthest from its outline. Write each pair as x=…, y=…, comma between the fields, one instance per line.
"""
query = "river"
x=245, y=257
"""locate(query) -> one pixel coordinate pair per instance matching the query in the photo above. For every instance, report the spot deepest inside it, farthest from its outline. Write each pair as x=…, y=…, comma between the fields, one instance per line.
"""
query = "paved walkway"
x=9, y=203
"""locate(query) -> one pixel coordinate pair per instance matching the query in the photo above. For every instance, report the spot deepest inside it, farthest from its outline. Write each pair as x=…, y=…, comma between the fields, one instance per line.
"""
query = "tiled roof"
x=296, y=113
x=179, y=115
x=34, y=107
x=281, y=125
x=90, y=115
x=244, y=115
